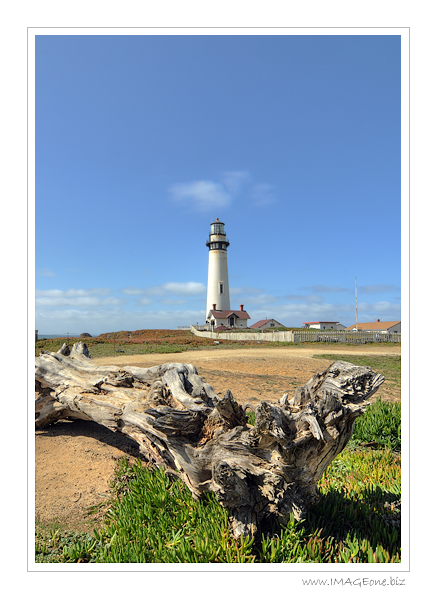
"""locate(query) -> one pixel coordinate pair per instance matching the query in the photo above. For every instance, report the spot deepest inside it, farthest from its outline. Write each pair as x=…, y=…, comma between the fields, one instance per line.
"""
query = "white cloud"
x=206, y=195
x=235, y=180
x=377, y=289
x=78, y=297
x=310, y=298
x=185, y=288
x=72, y=293
x=172, y=301
x=188, y=288
x=262, y=194
x=44, y=273
x=104, y=320
x=265, y=299
x=58, y=313
x=385, y=311
x=144, y=301
x=100, y=291
x=132, y=291
x=325, y=289
x=244, y=290
x=201, y=195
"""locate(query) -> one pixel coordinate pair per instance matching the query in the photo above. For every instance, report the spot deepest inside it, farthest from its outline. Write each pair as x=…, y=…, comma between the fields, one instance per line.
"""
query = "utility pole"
x=355, y=288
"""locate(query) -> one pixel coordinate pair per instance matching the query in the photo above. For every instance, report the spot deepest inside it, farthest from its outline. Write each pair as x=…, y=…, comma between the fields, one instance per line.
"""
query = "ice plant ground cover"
x=152, y=517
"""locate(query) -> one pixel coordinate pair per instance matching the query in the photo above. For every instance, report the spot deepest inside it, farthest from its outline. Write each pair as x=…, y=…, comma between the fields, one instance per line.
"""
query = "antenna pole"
x=355, y=288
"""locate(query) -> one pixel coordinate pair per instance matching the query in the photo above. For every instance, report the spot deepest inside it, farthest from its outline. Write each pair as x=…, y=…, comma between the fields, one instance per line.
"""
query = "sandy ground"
x=74, y=461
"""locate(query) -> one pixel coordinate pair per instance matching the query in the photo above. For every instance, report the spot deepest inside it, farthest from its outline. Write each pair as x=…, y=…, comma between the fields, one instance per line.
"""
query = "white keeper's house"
x=377, y=326
x=228, y=318
x=324, y=325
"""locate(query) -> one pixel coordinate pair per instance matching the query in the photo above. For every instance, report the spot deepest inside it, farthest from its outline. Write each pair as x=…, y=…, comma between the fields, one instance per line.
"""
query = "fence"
x=347, y=337
x=343, y=337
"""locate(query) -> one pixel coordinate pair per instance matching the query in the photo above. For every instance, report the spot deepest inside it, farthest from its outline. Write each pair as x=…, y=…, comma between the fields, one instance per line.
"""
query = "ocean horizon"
x=57, y=335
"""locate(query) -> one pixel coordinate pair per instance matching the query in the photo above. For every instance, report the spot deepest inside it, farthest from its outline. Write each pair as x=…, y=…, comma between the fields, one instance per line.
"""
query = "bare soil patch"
x=74, y=461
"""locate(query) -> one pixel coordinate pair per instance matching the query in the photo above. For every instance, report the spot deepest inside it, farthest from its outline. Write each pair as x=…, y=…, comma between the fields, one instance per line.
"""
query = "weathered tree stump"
x=269, y=469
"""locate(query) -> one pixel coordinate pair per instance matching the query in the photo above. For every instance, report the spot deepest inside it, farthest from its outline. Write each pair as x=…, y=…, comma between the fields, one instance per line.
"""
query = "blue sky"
x=141, y=141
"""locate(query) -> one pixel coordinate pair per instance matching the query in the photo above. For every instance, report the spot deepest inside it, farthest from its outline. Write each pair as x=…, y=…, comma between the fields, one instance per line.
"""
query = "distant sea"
x=57, y=335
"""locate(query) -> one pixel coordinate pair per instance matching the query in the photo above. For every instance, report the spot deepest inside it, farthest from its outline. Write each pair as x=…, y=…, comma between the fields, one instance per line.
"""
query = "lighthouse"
x=218, y=291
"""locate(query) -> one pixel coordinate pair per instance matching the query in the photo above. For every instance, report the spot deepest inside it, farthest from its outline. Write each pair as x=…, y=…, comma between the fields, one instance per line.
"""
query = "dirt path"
x=75, y=460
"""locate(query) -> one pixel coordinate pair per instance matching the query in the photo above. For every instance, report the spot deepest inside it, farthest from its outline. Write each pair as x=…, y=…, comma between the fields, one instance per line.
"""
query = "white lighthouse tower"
x=218, y=291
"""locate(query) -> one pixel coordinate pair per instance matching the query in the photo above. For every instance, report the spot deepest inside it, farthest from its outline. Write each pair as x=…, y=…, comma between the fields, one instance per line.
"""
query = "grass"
x=163, y=341
x=388, y=365
x=152, y=517
x=144, y=341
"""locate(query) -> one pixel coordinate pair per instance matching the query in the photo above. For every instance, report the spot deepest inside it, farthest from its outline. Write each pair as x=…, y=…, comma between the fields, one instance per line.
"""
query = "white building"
x=219, y=313
x=228, y=318
x=218, y=290
x=324, y=325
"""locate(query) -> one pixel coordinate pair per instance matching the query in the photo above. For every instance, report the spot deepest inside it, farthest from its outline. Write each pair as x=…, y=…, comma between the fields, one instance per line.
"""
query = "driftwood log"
x=269, y=469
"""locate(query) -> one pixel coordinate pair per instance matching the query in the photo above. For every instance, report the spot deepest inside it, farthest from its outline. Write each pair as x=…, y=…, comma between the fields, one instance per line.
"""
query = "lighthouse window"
x=221, y=288
x=217, y=228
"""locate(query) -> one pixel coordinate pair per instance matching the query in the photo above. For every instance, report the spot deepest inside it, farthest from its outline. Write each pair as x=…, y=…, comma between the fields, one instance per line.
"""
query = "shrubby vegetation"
x=143, y=341
x=163, y=341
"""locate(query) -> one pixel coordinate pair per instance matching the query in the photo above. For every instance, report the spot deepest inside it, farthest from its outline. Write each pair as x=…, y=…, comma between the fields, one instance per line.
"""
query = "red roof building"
x=378, y=326
x=266, y=324
x=228, y=318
